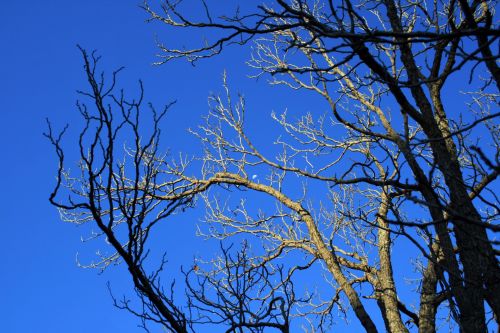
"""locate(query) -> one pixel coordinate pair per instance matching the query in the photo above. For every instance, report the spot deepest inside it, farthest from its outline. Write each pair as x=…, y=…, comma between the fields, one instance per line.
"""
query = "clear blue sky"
x=42, y=289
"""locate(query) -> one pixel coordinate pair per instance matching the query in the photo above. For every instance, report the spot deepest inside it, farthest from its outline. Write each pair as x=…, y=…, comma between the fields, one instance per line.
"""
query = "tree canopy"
x=407, y=153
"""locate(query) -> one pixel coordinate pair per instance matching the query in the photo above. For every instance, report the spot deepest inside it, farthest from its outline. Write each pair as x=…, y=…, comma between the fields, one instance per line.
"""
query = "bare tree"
x=126, y=187
x=117, y=195
x=242, y=294
x=393, y=161
x=362, y=56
